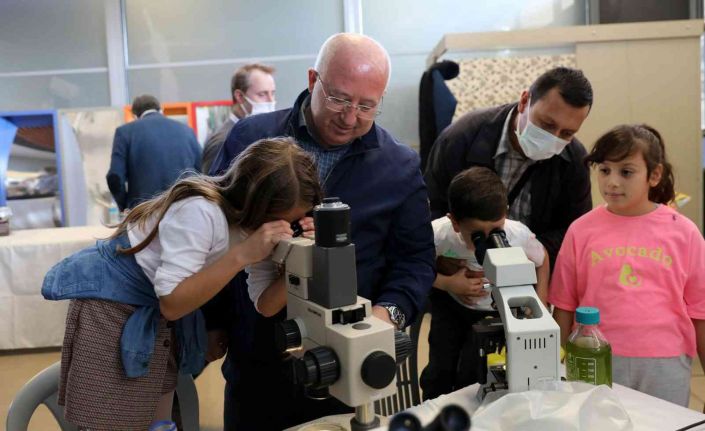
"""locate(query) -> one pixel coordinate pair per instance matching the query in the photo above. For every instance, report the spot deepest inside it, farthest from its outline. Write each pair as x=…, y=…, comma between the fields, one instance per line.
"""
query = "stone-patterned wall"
x=486, y=82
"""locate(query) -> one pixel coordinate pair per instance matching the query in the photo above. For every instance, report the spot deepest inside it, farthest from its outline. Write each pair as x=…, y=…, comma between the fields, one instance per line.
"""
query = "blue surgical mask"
x=538, y=144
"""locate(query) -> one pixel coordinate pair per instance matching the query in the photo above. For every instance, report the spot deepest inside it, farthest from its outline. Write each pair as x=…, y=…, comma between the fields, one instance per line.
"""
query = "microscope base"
x=358, y=426
x=493, y=390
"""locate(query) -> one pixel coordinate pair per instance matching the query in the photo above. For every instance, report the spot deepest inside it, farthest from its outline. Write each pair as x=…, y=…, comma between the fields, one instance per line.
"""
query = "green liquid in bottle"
x=589, y=360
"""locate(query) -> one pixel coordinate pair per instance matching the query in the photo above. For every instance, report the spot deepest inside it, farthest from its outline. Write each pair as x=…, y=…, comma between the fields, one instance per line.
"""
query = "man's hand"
x=382, y=313
x=217, y=345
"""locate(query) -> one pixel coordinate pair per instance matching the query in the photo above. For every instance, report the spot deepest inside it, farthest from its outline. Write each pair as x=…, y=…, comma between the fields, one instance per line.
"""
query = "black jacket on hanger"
x=436, y=104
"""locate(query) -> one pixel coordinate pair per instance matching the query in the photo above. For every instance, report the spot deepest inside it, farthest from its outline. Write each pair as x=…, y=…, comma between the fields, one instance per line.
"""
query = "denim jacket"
x=99, y=272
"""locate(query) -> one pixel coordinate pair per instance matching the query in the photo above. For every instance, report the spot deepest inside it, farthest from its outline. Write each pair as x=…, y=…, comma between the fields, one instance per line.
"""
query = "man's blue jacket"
x=148, y=156
x=380, y=179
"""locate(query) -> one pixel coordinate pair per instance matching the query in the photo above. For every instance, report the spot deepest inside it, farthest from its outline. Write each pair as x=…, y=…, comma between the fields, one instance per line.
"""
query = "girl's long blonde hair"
x=269, y=177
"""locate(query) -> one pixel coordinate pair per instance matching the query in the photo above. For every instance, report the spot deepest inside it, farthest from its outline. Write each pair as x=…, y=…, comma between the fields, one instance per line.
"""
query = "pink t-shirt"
x=646, y=274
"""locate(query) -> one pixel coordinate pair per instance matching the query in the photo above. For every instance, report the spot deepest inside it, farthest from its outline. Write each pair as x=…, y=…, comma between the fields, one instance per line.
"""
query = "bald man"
x=360, y=162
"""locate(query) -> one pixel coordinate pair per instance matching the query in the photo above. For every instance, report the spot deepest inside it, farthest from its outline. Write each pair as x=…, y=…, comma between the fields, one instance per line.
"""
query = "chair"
x=43, y=389
x=408, y=393
x=188, y=402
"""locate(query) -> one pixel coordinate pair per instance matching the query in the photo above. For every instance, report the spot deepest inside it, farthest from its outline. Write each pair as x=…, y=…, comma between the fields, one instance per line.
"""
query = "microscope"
x=340, y=349
x=525, y=327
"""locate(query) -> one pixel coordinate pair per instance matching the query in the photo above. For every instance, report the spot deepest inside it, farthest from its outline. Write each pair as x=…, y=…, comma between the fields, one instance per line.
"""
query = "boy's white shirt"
x=450, y=243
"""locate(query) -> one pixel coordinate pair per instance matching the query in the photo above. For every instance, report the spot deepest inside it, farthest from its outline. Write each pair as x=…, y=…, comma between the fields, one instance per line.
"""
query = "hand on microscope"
x=381, y=313
x=466, y=285
x=273, y=298
x=454, y=277
x=307, y=227
x=260, y=243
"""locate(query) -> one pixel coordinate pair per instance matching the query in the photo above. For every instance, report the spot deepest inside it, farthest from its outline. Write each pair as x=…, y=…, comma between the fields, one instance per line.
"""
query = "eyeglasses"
x=336, y=104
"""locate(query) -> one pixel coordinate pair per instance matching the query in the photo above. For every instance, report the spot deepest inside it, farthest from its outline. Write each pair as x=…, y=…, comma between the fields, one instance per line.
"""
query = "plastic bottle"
x=113, y=214
x=588, y=354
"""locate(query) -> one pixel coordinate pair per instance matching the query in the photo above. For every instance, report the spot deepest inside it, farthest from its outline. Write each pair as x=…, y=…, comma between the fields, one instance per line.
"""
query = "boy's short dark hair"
x=572, y=85
x=477, y=193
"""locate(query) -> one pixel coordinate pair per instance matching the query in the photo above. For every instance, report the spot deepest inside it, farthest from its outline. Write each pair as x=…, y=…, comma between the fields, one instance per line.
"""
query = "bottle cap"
x=163, y=426
x=587, y=315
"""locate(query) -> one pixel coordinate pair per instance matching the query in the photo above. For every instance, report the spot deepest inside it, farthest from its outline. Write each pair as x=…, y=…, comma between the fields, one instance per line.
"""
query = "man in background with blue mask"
x=532, y=147
x=252, y=89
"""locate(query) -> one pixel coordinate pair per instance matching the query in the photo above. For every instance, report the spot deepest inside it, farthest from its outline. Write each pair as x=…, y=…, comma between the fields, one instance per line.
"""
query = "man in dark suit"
x=149, y=154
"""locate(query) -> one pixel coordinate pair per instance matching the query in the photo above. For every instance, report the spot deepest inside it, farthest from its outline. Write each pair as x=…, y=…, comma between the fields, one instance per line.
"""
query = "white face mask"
x=261, y=107
x=538, y=144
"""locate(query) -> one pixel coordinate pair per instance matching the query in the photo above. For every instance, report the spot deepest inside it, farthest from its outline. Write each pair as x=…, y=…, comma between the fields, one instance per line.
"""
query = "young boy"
x=477, y=201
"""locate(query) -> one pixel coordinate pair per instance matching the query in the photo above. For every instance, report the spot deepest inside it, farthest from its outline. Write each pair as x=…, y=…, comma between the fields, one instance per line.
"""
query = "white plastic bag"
x=559, y=406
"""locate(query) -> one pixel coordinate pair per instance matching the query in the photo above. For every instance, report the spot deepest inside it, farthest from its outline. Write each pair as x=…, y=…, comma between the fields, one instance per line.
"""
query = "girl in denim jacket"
x=134, y=318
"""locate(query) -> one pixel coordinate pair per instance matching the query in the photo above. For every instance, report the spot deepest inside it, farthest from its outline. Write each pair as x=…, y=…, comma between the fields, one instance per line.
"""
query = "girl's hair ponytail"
x=663, y=192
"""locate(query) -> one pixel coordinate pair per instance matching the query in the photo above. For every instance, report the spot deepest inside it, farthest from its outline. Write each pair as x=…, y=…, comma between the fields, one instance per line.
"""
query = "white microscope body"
x=341, y=348
x=533, y=342
x=525, y=327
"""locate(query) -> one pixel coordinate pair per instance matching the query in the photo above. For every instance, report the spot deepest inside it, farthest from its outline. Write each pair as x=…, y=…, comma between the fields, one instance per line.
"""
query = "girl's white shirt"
x=193, y=234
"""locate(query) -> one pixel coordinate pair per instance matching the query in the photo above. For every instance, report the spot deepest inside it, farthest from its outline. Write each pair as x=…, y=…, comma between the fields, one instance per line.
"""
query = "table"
x=646, y=412
x=27, y=319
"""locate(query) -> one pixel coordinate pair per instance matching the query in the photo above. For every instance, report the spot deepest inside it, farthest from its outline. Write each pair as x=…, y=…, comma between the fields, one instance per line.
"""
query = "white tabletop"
x=646, y=412
x=28, y=320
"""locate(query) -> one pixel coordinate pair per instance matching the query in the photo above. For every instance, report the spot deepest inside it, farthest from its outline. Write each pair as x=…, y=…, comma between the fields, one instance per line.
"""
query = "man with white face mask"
x=252, y=89
x=532, y=146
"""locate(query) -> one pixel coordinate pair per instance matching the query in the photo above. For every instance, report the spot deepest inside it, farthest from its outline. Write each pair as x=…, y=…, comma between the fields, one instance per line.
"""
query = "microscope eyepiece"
x=478, y=240
x=497, y=239
x=296, y=227
x=332, y=220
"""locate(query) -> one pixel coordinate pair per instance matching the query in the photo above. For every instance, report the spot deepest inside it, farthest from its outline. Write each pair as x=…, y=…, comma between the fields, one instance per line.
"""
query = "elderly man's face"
x=359, y=84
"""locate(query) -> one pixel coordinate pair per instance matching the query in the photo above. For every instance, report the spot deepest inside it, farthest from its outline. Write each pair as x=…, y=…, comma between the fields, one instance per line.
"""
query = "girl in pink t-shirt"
x=641, y=263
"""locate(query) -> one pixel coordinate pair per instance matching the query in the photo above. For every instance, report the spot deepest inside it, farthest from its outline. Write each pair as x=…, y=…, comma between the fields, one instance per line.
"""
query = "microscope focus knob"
x=319, y=367
x=378, y=369
x=402, y=346
x=287, y=336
